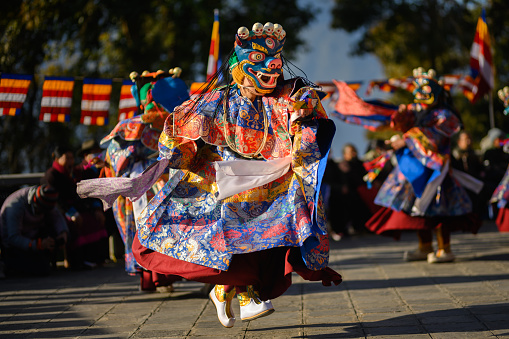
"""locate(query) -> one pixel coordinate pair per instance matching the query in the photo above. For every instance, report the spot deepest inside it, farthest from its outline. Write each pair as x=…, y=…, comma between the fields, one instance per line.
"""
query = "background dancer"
x=422, y=193
x=132, y=147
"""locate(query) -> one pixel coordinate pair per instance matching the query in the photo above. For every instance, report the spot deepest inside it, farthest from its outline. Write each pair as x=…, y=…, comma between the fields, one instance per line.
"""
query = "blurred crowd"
x=349, y=201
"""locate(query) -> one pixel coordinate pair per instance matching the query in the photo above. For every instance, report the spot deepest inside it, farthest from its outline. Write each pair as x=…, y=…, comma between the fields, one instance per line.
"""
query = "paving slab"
x=381, y=297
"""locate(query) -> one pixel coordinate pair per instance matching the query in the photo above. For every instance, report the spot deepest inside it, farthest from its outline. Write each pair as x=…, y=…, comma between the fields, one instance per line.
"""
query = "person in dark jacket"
x=31, y=229
x=352, y=210
x=465, y=159
x=85, y=217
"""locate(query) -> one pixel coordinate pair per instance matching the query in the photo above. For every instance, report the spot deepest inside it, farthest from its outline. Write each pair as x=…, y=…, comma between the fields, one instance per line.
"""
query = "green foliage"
x=109, y=39
x=404, y=35
x=433, y=34
x=498, y=24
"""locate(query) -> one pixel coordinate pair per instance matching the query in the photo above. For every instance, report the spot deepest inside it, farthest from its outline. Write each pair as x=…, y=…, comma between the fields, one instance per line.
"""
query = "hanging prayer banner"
x=127, y=107
x=13, y=92
x=56, y=99
x=95, y=101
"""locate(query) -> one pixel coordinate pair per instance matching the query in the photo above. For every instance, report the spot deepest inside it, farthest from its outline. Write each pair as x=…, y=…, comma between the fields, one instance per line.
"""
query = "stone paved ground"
x=381, y=297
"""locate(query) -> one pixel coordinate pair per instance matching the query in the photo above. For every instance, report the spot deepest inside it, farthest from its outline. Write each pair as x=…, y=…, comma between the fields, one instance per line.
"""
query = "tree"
x=433, y=34
x=109, y=39
x=407, y=34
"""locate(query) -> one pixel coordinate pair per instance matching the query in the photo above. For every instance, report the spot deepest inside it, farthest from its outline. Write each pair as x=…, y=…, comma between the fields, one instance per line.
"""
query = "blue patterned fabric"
x=186, y=221
x=428, y=148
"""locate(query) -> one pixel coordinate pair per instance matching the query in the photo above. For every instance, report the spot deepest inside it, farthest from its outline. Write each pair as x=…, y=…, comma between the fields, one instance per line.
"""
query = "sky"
x=328, y=58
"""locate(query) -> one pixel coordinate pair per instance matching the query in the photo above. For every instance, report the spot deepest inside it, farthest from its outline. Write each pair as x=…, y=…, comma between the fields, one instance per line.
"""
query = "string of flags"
x=465, y=84
x=462, y=83
x=57, y=93
x=95, y=102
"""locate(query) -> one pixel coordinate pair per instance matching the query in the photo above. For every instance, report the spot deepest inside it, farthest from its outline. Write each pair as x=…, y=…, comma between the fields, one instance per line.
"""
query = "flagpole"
x=492, y=114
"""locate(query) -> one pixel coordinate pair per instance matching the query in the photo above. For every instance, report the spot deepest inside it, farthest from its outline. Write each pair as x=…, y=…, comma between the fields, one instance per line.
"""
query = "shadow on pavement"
x=473, y=319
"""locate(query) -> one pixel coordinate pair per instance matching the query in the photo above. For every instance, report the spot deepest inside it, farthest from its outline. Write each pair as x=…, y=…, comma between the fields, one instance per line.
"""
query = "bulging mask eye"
x=256, y=56
x=270, y=43
x=426, y=89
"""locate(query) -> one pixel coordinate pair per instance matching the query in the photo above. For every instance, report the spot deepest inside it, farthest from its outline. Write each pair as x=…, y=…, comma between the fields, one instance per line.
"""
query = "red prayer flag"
x=13, y=93
x=56, y=99
x=213, y=62
x=481, y=63
x=127, y=107
x=95, y=101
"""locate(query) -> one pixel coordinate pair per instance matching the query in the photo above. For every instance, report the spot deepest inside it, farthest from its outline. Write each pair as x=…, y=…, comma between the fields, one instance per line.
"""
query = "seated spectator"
x=90, y=168
x=31, y=229
x=92, y=161
x=85, y=217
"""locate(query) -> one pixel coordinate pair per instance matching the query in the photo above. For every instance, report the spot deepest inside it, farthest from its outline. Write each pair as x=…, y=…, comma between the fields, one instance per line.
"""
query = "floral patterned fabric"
x=186, y=221
x=127, y=143
x=428, y=144
x=131, y=148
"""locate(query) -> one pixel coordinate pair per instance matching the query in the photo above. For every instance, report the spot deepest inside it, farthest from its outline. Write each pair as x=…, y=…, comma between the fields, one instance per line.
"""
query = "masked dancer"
x=242, y=207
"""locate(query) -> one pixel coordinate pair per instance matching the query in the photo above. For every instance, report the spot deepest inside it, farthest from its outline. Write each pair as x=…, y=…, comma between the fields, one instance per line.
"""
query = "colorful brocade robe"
x=130, y=145
x=423, y=170
x=186, y=220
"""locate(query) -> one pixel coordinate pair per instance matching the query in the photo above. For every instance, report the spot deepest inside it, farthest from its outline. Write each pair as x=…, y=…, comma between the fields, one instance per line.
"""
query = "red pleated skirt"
x=149, y=280
x=503, y=220
x=391, y=223
x=269, y=270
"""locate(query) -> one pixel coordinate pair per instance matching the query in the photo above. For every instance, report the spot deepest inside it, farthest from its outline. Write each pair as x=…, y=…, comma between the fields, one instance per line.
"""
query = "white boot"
x=441, y=256
x=251, y=307
x=223, y=303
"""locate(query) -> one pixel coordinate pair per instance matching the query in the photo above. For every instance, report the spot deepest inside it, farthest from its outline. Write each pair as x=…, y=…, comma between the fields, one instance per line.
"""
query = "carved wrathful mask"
x=258, y=56
x=427, y=88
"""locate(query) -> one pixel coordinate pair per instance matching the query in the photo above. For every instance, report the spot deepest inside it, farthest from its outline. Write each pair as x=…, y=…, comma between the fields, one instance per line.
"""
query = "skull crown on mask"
x=257, y=56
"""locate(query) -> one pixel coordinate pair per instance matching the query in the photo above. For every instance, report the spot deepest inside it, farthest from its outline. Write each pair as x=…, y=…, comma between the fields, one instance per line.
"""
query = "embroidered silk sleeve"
x=305, y=104
x=179, y=151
